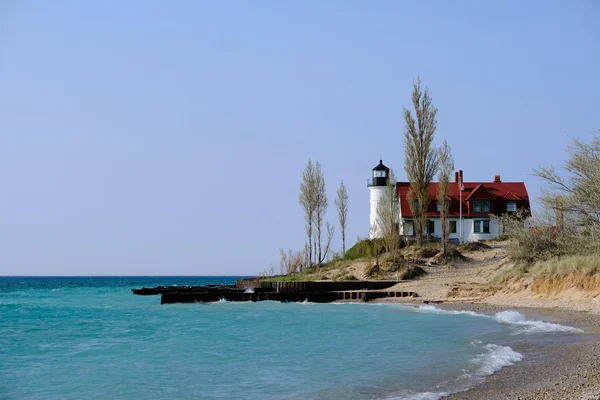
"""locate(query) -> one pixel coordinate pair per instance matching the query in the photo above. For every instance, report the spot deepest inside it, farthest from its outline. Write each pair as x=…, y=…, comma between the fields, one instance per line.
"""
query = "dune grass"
x=557, y=274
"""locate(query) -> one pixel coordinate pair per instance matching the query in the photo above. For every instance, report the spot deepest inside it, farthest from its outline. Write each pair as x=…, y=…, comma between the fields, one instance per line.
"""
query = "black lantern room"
x=380, y=175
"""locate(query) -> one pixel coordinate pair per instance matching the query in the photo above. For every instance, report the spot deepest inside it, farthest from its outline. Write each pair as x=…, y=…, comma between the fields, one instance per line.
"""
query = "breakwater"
x=257, y=290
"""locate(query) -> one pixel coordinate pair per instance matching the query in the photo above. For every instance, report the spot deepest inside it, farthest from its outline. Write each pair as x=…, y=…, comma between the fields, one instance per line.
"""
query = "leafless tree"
x=290, y=262
x=376, y=242
x=307, y=201
x=327, y=246
x=320, y=208
x=568, y=222
x=579, y=193
x=388, y=214
x=446, y=164
x=421, y=158
x=341, y=204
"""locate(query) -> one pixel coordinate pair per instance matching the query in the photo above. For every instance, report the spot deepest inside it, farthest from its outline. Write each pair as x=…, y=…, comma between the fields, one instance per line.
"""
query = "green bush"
x=364, y=248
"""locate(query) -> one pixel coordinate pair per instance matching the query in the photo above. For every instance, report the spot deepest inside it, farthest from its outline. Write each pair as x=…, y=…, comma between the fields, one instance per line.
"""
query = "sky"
x=169, y=138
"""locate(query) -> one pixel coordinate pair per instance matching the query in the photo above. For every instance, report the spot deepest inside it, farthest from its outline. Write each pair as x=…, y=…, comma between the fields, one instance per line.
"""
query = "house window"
x=481, y=206
x=481, y=226
x=416, y=205
x=511, y=206
x=430, y=227
x=452, y=226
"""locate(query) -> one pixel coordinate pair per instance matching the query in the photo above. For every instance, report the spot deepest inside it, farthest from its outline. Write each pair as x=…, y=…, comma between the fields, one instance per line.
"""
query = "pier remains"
x=253, y=289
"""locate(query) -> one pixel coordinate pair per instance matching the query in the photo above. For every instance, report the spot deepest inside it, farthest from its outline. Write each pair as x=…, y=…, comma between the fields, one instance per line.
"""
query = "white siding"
x=375, y=193
x=469, y=234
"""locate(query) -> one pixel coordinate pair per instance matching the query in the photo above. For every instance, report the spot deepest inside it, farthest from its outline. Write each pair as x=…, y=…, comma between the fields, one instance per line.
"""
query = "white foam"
x=495, y=358
x=420, y=396
x=513, y=318
x=249, y=290
x=518, y=319
x=491, y=360
x=434, y=310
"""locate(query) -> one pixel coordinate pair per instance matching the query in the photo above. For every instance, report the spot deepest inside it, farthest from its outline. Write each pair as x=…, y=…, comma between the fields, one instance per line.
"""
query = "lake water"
x=90, y=337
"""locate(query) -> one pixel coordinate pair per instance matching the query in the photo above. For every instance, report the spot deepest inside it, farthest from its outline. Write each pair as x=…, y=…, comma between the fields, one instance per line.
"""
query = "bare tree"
x=307, y=201
x=388, y=214
x=568, y=222
x=376, y=242
x=290, y=262
x=341, y=204
x=446, y=164
x=579, y=193
x=330, y=231
x=321, y=203
x=421, y=158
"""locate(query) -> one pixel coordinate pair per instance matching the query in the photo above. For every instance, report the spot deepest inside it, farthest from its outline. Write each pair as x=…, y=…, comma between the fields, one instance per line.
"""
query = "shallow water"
x=70, y=338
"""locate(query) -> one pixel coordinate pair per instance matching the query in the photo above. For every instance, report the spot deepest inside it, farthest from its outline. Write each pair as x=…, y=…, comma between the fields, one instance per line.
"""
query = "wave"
x=493, y=359
x=518, y=319
x=509, y=317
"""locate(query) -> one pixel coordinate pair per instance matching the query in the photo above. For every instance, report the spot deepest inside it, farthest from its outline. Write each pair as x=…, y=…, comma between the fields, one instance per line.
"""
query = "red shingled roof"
x=496, y=192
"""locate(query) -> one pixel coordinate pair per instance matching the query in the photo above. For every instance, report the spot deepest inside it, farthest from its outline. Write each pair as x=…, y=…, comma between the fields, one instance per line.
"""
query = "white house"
x=472, y=203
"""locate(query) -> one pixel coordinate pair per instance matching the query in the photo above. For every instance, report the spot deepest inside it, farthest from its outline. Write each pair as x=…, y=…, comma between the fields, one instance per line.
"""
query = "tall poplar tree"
x=341, y=204
x=421, y=158
x=307, y=201
x=446, y=167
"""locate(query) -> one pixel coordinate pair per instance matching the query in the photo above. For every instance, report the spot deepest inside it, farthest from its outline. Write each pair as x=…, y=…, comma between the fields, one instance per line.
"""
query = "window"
x=452, y=225
x=379, y=174
x=430, y=227
x=416, y=206
x=481, y=226
x=481, y=206
x=511, y=206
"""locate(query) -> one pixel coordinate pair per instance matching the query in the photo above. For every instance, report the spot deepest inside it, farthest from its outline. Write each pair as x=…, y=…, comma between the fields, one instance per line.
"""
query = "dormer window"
x=511, y=206
x=481, y=206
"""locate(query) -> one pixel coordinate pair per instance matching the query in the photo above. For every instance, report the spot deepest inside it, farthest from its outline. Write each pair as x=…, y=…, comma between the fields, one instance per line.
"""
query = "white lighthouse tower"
x=377, y=187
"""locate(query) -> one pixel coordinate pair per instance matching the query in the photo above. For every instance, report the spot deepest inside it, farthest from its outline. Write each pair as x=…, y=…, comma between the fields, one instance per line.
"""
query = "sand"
x=561, y=370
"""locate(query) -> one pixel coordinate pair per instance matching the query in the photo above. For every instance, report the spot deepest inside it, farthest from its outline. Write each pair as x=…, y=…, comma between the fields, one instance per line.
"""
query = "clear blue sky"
x=152, y=137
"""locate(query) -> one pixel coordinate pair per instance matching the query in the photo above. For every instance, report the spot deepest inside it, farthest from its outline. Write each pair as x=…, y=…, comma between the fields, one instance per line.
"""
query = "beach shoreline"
x=565, y=369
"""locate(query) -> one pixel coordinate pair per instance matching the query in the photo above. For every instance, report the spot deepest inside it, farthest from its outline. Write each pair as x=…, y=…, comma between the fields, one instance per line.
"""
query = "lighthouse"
x=377, y=188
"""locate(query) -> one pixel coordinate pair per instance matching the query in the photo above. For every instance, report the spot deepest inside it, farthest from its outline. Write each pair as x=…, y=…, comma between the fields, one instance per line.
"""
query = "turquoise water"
x=74, y=338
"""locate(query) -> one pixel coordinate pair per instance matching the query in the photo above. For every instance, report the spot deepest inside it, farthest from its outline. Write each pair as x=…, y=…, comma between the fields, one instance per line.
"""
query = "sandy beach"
x=551, y=370
x=562, y=369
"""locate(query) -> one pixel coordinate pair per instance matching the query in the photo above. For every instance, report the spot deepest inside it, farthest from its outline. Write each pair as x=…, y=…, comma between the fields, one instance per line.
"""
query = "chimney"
x=497, y=179
x=460, y=175
x=456, y=177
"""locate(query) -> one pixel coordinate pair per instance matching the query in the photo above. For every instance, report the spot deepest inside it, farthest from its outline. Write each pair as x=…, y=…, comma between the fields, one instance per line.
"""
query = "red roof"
x=496, y=192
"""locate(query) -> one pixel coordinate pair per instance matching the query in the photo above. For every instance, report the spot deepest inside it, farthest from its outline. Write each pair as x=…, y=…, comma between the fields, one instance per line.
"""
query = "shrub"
x=413, y=272
x=372, y=270
x=473, y=246
x=363, y=249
